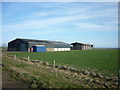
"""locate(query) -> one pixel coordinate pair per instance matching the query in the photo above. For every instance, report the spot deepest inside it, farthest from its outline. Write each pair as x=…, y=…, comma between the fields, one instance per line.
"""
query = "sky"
x=85, y=22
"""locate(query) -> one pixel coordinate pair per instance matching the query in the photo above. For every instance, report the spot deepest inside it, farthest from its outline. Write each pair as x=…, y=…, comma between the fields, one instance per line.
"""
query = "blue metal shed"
x=39, y=48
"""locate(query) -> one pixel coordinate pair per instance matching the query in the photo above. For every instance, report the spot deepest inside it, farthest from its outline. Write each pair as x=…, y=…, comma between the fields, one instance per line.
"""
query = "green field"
x=100, y=60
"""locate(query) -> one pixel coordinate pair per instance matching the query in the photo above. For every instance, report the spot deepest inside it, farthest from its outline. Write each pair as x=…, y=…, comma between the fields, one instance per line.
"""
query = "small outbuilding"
x=81, y=46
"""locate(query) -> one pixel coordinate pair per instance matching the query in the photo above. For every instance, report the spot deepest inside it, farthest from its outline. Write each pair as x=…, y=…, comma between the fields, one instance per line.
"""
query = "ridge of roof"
x=77, y=43
x=33, y=40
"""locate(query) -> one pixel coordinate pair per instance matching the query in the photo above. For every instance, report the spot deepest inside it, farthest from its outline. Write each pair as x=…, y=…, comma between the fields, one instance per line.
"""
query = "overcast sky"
x=85, y=22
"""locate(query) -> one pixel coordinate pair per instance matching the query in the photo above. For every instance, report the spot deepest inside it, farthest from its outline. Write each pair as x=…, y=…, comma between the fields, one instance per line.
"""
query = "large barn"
x=81, y=46
x=30, y=45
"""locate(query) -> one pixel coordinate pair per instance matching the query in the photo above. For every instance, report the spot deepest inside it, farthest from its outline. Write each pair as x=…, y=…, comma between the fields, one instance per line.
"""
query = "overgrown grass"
x=38, y=77
x=102, y=60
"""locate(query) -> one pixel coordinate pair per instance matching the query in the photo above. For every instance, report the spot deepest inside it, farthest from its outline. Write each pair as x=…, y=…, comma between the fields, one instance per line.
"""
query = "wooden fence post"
x=54, y=63
x=15, y=57
x=28, y=58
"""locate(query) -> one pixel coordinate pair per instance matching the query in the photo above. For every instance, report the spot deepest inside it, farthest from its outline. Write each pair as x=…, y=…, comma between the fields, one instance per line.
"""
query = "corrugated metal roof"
x=32, y=40
x=79, y=43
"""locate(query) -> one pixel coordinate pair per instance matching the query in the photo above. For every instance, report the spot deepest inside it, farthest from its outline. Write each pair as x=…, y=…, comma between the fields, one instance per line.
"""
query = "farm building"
x=81, y=46
x=30, y=45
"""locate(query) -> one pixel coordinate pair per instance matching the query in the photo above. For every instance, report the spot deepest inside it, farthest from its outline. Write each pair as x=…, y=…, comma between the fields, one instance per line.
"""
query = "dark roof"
x=79, y=43
x=33, y=40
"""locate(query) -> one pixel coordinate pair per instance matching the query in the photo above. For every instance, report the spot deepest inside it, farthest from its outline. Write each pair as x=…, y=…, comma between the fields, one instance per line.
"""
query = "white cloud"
x=71, y=15
x=58, y=21
x=44, y=32
x=95, y=27
x=64, y=9
x=37, y=24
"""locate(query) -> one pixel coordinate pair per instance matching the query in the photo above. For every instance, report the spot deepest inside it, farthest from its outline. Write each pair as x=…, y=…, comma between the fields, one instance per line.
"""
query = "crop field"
x=99, y=60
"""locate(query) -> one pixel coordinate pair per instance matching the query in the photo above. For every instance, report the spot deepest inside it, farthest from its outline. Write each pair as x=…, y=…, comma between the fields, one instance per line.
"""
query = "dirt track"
x=9, y=82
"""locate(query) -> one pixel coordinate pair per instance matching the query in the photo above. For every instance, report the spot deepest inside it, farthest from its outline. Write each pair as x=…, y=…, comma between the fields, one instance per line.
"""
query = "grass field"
x=101, y=60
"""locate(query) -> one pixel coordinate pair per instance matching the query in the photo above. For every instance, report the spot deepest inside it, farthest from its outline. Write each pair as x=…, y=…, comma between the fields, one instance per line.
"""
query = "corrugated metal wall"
x=50, y=45
x=58, y=49
x=39, y=48
x=82, y=47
